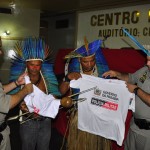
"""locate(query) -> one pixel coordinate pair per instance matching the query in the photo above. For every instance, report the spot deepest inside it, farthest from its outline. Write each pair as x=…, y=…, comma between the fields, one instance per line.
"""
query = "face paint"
x=31, y=67
x=34, y=66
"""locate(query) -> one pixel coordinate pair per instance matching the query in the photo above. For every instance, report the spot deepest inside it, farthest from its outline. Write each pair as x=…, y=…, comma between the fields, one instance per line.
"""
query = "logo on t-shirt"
x=104, y=104
x=97, y=91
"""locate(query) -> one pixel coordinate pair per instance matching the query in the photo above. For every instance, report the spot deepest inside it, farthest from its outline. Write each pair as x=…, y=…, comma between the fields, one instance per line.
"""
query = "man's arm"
x=10, y=86
x=145, y=97
x=16, y=98
x=119, y=75
x=65, y=85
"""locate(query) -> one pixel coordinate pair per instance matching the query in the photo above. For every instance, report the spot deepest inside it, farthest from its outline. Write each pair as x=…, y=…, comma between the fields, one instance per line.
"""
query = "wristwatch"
x=135, y=90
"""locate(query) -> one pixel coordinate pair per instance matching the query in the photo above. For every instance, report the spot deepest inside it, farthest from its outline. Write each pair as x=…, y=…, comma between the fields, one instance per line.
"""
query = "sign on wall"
x=106, y=25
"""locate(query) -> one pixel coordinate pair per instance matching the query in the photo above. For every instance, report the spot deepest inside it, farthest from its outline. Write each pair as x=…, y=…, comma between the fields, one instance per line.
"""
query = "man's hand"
x=64, y=86
x=29, y=88
x=17, y=97
x=111, y=73
x=21, y=80
x=131, y=87
x=74, y=75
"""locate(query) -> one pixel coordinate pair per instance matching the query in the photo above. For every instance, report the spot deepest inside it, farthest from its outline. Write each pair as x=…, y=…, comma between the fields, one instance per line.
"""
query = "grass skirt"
x=81, y=140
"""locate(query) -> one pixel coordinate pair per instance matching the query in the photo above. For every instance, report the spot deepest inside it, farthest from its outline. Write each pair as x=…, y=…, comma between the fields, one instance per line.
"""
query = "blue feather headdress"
x=87, y=50
x=34, y=49
x=147, y=52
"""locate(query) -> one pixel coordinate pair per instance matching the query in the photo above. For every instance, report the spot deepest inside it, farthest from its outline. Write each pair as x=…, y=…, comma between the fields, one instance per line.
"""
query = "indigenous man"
x=91, y=62
x=33, y=58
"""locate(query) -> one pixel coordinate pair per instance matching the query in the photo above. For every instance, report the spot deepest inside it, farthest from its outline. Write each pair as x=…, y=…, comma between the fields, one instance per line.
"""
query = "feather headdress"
x=34, y=49
x=89, y=49
x=86, y=50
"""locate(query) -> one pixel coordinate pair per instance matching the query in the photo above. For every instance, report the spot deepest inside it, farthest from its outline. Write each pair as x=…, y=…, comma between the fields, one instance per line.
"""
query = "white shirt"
x=105, y=109
x=41, y=103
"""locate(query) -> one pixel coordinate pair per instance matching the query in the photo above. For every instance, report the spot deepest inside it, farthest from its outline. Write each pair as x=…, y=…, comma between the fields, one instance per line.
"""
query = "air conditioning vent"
x=5, y=10
x=62, y=24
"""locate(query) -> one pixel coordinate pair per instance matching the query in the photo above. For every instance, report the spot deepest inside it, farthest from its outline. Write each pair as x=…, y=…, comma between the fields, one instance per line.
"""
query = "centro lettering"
x=115, y=18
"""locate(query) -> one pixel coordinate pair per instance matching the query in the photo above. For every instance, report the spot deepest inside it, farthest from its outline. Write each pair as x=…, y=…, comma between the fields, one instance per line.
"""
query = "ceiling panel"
x=62, y=6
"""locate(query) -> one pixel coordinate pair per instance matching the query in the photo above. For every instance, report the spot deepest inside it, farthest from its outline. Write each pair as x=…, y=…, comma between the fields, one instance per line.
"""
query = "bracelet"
x=67, y=79
x=16, y=83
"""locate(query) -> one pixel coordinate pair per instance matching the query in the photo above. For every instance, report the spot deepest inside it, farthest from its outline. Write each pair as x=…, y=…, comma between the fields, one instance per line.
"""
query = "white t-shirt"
x=41, y=103
x=105, y=109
